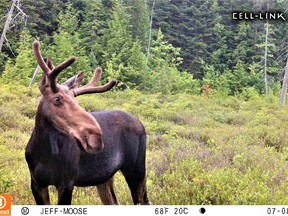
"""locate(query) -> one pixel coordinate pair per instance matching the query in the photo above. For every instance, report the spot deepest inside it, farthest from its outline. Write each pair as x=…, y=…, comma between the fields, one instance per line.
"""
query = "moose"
x=71, y=147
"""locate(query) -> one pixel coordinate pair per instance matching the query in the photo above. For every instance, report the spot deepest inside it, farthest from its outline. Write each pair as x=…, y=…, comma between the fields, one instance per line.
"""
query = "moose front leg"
x=41, y=194
x=107, y=193
x=65, y=194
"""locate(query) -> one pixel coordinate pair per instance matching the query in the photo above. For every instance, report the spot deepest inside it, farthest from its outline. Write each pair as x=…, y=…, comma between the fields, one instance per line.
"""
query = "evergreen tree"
x=163, y=52
x=89, y=18
x=139, y=22
x=42, y=17
x=22, y=70
x=67, y=43
x=164, y=76
x=185, y=26
x=114, y=46
x=117, y=37
x=136, y=71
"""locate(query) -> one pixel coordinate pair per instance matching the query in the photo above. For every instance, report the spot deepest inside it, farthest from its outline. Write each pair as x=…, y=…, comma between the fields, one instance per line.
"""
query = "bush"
x=200, y=150
x=168, y=80
x=249, y=93
x=5, y=180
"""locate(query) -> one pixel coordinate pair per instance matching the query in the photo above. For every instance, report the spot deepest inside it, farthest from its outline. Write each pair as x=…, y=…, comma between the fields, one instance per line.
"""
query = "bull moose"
x=71, y=147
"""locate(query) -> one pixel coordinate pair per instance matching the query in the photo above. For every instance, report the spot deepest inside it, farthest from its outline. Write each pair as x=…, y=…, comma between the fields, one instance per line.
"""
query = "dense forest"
x=154, y=45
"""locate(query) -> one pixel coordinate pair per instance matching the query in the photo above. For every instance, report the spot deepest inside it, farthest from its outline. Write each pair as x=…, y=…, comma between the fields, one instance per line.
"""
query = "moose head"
x=59, y=106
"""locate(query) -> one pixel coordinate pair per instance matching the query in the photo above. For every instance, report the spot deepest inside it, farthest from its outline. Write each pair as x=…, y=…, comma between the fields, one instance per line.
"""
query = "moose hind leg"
x=138, y=189
x=107, y=193
x=41, y=194
x=135, y=174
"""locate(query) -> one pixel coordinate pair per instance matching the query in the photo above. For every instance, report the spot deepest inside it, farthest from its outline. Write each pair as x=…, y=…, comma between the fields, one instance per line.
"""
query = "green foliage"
x=117, y=37
x=168, y=80
x=212, y=144
x=5, y=176
x=41, y=19
x=136, y=68
x=163, y=52
x=67, y=43
x=133, y=71
x=139, y=21
x=2, y=62
x=123, y=58
x=90, y=20
x=21, y=71
x=242, y=78
x=164, y=76
x=196, y=37
x=217, y=82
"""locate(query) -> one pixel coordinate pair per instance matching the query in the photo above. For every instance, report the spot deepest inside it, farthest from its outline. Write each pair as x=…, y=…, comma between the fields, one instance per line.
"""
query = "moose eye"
x=57, y=100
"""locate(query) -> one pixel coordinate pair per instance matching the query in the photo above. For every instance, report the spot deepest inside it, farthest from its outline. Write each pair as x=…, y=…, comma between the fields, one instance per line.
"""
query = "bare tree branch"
x=7, y=24
x=34, y=76
x=9, y=21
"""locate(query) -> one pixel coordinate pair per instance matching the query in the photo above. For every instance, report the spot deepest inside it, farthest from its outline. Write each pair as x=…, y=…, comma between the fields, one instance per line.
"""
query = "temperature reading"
x=161, y=211
x=181, y=211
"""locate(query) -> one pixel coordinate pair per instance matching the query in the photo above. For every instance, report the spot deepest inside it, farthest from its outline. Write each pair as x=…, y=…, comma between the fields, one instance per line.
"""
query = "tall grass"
x=200, y=150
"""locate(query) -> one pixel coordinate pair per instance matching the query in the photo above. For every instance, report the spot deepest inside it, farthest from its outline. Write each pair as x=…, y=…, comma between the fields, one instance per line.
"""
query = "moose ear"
x=43, y=84
x=74, y=82
x=49, y=63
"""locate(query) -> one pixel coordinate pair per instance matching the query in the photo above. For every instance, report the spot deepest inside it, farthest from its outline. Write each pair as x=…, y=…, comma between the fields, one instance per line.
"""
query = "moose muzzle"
x=94, y=143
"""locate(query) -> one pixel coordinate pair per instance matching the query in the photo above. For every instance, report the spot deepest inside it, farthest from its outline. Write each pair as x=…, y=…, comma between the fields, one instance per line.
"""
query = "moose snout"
x=94, y=143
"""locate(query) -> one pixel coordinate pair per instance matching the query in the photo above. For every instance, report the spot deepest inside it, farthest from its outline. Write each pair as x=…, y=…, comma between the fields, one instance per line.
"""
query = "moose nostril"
x=94, y=143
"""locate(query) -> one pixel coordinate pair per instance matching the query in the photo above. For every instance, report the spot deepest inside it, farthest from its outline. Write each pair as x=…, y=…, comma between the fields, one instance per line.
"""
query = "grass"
x=201, y=150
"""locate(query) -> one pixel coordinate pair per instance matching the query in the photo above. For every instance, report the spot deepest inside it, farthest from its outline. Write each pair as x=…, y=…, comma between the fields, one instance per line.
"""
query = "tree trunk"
x=150, y=32
x=266, y=56
x=284, y=85
x=34, y=76
x=7, y=24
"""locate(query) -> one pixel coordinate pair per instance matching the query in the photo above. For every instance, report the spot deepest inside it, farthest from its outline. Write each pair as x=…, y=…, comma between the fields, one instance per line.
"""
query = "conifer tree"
x=136, y=71
x=138, y=10
x=164, y=52
x=117, y=42
x=22, y=70
x=67, y=43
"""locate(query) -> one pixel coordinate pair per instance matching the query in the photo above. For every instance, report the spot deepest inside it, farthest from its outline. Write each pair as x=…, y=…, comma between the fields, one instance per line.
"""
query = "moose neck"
x=42, y=123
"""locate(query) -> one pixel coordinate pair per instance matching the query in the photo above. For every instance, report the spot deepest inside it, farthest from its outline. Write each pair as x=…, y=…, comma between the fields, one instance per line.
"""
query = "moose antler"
x=91, y=86
x=50, y=71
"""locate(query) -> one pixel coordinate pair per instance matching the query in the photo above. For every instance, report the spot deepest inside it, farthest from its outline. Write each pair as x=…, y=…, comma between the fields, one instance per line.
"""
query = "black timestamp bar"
x=238, y=15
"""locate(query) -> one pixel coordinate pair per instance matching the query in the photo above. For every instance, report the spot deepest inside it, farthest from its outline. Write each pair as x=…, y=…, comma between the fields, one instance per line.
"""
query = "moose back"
x=71, y=147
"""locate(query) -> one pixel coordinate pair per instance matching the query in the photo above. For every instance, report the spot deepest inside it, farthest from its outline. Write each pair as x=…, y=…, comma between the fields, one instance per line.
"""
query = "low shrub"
x=200, y=149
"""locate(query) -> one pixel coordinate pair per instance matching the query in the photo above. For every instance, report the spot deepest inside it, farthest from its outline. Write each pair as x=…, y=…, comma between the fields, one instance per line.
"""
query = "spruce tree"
x=113, y=48
x=22, y=69
x=67, y=43
x=139, y=22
